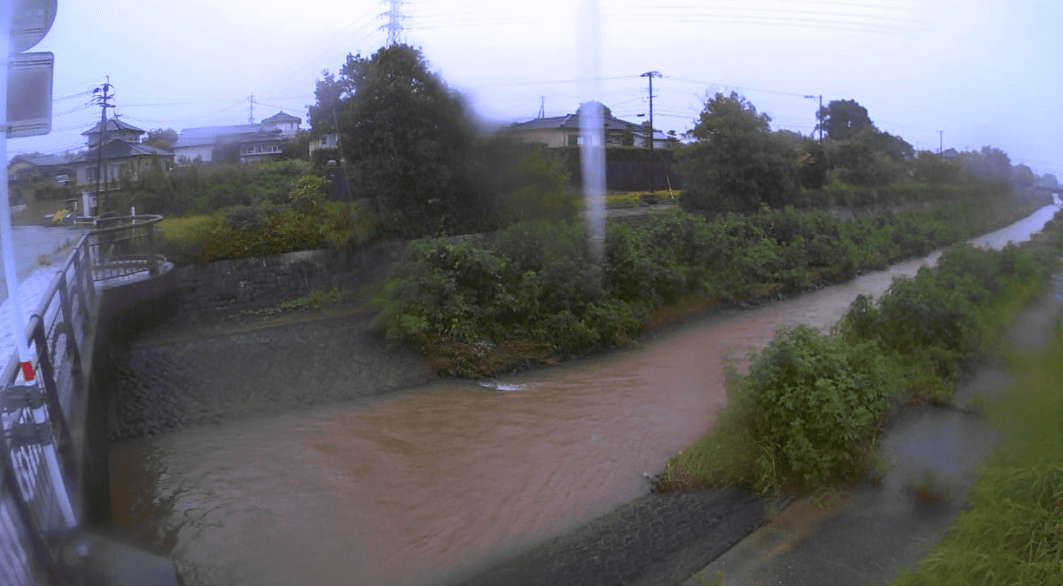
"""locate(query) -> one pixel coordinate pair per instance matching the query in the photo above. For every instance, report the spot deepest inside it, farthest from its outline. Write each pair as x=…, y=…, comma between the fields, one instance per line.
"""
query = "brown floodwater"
x=416, y=487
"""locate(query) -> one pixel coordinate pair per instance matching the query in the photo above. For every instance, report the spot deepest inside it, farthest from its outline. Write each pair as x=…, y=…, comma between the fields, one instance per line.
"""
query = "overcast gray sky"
x=983, y=71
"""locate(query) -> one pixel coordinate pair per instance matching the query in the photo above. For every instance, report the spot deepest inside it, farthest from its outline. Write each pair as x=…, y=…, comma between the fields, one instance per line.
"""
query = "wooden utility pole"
x=651, y=75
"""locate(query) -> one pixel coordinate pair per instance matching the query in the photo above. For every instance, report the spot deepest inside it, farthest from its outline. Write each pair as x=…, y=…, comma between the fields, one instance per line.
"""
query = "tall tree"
x=1048, y=180
x=408, y=138
x=988, y=163
x=840, y=119
x=736, y=163
x=1023, y=177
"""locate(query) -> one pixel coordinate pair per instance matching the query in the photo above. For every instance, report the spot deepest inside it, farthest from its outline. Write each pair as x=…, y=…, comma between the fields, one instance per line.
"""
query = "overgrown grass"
x=303, y=220
x=811, y=408
x=185, y=229
x=634, y=198
x=1011, y=531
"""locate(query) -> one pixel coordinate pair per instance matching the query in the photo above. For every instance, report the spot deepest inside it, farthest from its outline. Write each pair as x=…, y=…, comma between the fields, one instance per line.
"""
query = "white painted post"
x=11, y=273
x=6, y=241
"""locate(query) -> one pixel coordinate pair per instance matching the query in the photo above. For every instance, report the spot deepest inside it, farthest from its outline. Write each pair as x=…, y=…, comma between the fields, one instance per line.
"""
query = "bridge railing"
x=42, y=418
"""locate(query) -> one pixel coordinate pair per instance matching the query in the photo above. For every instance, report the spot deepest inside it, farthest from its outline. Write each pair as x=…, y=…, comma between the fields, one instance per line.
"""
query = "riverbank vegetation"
x=1010, y=531
x=537, y=282
x=809, y=410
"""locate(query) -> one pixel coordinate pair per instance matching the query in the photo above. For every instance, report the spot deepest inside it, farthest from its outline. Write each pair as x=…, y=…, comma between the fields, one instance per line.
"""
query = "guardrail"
x=42, y=419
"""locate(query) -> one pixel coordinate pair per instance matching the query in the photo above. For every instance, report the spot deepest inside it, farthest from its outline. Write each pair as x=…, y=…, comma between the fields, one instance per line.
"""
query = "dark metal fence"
x=41, y=419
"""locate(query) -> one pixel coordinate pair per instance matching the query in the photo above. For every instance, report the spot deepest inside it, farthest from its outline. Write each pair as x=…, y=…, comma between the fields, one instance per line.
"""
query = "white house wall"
x=204, y=152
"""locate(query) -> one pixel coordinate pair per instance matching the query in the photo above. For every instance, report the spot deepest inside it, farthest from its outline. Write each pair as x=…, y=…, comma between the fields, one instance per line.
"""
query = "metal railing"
x=42, y=419
x=126, y=246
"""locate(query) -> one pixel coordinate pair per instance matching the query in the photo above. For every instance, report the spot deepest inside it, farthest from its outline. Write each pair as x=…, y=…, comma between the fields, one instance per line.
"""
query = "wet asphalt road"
x=39, y=247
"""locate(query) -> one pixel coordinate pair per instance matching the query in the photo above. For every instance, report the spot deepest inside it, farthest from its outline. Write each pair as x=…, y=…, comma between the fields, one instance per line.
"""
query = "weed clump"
x=816, y=404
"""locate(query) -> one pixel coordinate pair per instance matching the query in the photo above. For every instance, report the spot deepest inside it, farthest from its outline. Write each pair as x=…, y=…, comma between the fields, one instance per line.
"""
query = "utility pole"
x=395, y=18
x=651, y=75
x=542, y=107
x=821, y=128
x=101, y=95
x=251, y=109
x=819, y=121
x=941, y=140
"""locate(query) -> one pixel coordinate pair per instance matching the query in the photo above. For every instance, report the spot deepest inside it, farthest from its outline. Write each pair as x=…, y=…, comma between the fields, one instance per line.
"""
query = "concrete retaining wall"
x=124, y=311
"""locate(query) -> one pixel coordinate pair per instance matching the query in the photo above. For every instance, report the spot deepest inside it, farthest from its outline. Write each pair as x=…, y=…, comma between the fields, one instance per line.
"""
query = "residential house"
x=122, y=155
x=118, y=159
x=560, y=131
x=329, y=140
x=246, y=142
x=25, y=168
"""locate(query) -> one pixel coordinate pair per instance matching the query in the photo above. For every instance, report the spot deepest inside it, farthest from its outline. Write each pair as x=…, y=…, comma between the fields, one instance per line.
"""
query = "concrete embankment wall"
x=124, y=311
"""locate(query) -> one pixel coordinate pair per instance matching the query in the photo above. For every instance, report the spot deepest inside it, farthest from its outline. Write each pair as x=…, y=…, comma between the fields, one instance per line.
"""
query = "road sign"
x=29, y=94
x=30, y=21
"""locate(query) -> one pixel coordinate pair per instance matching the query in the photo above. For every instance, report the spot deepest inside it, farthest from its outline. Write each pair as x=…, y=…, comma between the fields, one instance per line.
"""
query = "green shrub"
x=817, y=405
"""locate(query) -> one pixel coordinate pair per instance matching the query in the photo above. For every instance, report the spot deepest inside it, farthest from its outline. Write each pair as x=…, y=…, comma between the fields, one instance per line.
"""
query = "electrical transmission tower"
x=395, y=18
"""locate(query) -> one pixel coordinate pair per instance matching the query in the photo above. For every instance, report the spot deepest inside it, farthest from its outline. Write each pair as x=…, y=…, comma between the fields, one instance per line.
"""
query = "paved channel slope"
x=653, y=540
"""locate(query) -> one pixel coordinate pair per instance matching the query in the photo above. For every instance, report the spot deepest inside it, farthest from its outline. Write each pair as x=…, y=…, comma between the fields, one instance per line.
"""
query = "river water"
x=417, y=486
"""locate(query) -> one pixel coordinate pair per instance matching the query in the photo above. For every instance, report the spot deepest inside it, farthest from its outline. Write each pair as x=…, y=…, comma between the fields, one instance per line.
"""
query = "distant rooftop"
x=119, y=148
x=41, y=160
x=280, y=117
x=572, y=122
x=113, y=125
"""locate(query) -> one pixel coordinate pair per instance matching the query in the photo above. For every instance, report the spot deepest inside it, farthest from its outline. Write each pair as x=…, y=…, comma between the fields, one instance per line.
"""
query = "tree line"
x=412, y=150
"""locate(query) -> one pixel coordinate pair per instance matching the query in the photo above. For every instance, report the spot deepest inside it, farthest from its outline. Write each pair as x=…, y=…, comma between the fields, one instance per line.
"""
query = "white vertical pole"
x=6, y=242
x=11, y=273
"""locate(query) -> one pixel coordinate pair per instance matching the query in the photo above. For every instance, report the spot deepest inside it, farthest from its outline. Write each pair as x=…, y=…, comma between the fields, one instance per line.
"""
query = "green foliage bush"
x=206, y=189
x=816, y=404
x=303, y=221
x=943, y=316
x=536, y=281
x=812, y=405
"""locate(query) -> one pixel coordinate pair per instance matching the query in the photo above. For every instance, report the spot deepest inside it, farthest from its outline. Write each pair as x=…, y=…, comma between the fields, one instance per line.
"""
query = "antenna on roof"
x=542, y=106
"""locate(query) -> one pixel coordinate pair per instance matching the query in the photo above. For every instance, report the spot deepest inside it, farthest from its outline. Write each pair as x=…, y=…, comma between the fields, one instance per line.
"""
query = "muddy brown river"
x=417, y=486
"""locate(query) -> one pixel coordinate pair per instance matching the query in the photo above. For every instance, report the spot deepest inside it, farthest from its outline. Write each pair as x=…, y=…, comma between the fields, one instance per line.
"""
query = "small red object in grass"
x=27, y=371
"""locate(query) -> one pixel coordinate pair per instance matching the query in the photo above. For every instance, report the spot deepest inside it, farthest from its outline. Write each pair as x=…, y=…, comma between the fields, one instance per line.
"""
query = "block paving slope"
x=657, y=539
